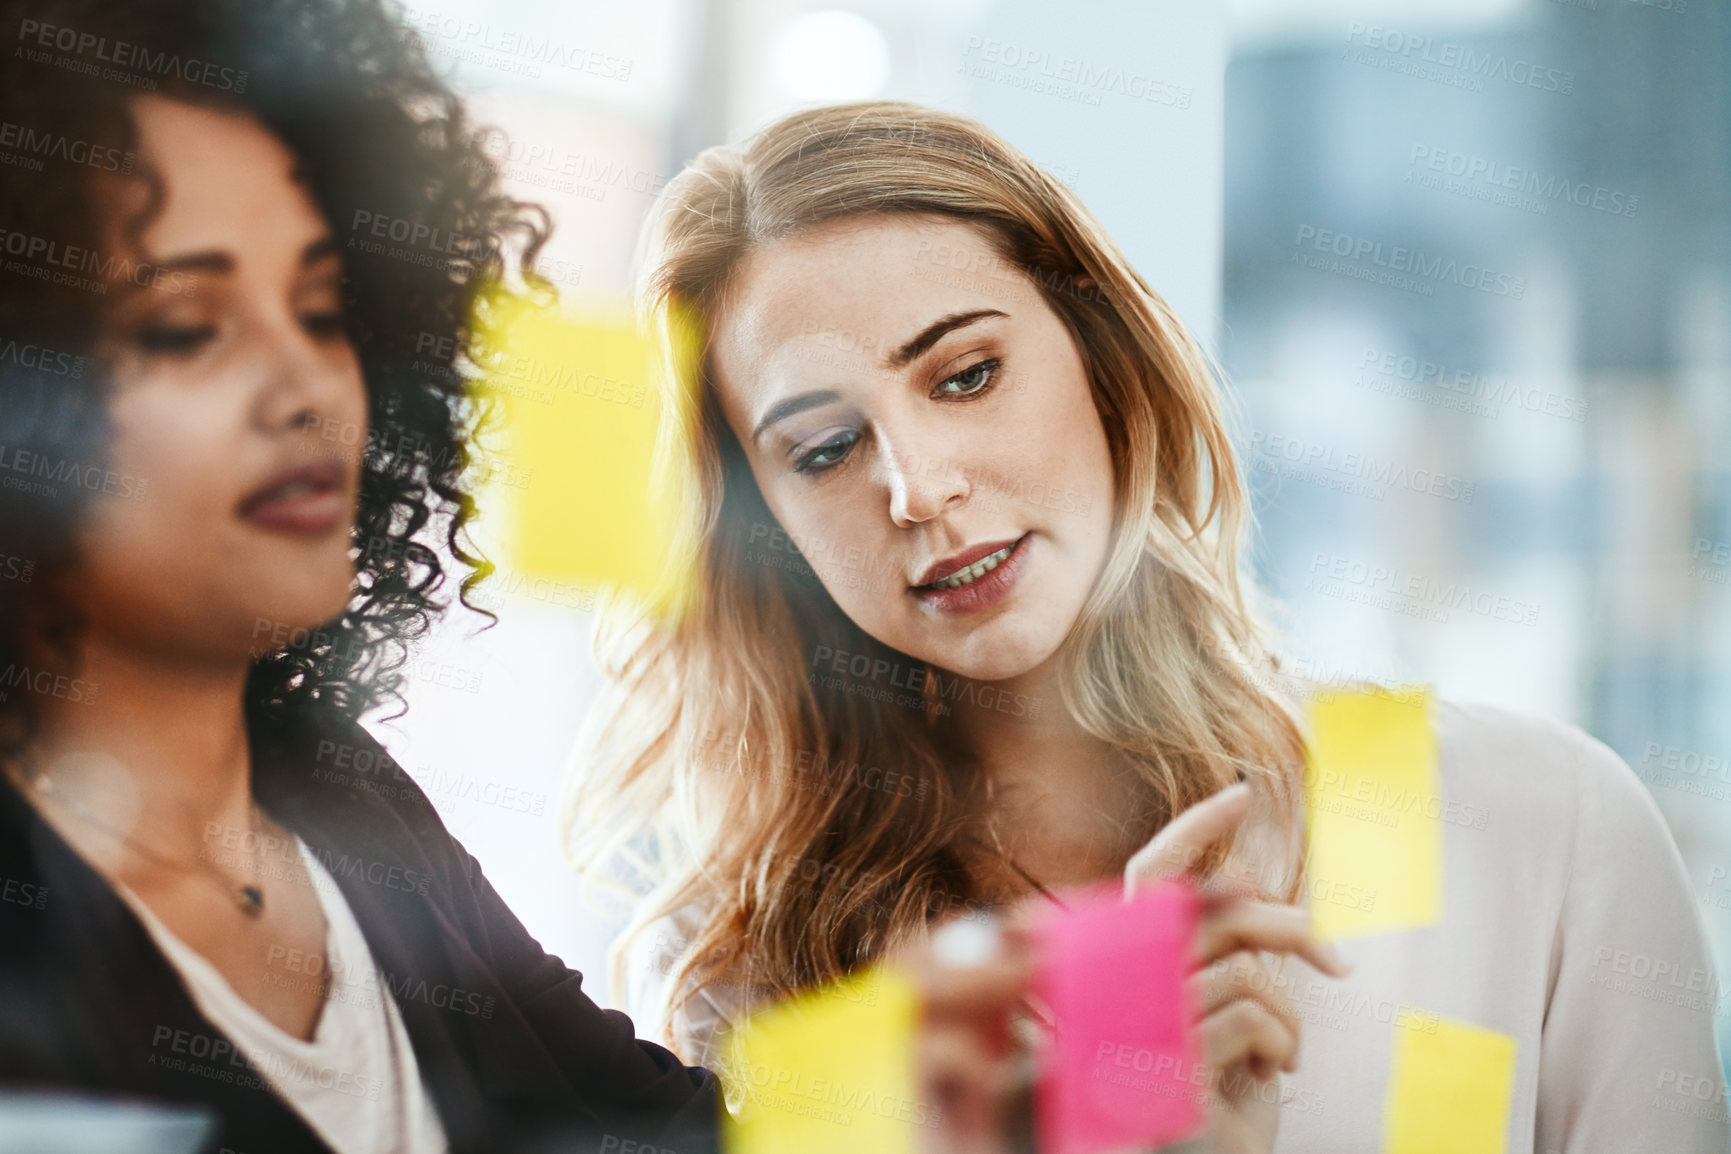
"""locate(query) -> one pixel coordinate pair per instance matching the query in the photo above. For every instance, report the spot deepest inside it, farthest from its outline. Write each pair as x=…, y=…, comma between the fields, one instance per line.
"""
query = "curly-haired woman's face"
x=920, y=422
x=230, y=520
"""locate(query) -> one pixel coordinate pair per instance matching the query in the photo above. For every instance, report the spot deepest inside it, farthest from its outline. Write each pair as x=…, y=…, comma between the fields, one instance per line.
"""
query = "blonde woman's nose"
x=921, y=485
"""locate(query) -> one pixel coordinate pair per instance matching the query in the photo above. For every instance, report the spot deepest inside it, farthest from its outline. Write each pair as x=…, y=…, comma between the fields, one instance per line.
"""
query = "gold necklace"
x=1035, y=883
x=248, y=898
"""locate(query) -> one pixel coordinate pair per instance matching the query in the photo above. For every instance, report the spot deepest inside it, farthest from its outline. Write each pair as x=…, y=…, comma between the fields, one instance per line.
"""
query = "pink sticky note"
x=1122, y=1066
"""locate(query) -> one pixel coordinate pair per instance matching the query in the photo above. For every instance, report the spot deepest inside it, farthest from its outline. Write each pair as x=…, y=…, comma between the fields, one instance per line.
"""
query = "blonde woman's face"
x=920, y=423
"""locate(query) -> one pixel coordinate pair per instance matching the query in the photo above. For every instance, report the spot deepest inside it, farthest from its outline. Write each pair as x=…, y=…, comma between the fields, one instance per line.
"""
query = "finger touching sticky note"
x=1450, y=1090
x=1370, y=788
x=831, y=1070
x=1123, y=1060
x=589, y=493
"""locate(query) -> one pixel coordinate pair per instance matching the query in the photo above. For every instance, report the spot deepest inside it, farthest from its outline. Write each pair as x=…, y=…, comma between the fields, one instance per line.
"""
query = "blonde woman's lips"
x=980, y=585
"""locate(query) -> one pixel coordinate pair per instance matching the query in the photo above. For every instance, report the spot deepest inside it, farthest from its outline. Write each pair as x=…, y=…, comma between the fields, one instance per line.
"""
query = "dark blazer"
x=514, y=1054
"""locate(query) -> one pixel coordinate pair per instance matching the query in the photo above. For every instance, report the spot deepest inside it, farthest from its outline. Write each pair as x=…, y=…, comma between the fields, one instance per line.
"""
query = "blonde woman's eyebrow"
x=937, y=331
x=790, y=406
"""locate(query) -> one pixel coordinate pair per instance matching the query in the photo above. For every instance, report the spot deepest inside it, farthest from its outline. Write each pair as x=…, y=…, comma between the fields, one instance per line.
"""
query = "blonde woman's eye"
x=970, y=382
x=827, y=454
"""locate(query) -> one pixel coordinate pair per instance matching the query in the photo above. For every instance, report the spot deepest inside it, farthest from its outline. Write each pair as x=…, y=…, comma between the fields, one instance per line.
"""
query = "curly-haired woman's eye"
x=175, y=340
x=325, y=325
x=971, y=381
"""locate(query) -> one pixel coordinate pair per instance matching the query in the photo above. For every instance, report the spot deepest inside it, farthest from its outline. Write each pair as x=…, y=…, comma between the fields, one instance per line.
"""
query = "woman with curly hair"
x=230, y=230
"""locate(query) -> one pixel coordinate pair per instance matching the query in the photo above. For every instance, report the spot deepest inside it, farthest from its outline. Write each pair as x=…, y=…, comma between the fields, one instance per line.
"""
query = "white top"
x=1567, y=923
x=356, y=1082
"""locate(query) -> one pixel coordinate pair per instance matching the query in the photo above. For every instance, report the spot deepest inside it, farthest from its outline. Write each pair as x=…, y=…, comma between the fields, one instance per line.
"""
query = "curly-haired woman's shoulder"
x=690, y=1027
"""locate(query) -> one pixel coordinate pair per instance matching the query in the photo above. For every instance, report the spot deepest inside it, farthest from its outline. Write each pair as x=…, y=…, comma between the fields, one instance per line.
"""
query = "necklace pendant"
x=250, y=899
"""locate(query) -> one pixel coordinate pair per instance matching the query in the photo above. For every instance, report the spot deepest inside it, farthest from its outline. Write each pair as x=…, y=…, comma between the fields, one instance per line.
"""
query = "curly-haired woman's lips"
x=307, y=500
x=980, y=585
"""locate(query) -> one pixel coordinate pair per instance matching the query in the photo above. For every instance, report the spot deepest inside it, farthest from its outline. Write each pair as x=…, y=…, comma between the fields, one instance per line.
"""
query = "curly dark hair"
x=375, y=131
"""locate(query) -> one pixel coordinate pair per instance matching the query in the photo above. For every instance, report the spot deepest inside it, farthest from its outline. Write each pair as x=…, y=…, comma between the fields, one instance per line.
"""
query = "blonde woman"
x=969, y=629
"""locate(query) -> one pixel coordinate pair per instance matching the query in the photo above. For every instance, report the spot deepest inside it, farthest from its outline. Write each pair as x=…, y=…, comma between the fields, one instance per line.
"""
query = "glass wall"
x=1464, y=265
x=1477, y=307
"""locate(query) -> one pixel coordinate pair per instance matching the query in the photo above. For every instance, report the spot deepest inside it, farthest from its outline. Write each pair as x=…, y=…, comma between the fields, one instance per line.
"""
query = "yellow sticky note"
x=829, y=1071
x=589, y=490
x=1370, y=789
x=1449, y=1091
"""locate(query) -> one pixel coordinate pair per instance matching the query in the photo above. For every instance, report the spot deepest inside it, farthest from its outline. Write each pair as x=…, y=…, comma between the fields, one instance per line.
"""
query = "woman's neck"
x=159, y=747
x=1062, y=804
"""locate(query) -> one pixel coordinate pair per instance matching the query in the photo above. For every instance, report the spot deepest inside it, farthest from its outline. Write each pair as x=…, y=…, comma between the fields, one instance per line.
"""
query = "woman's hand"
x=1249, y=1030
x=973, y=977
x=974, y=974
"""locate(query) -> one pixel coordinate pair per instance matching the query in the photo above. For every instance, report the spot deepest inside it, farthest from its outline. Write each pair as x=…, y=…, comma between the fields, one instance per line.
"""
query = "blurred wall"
x=1477, y=311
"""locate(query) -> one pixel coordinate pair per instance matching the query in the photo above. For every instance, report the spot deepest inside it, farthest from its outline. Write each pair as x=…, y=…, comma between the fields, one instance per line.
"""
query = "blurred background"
x=1465, y=263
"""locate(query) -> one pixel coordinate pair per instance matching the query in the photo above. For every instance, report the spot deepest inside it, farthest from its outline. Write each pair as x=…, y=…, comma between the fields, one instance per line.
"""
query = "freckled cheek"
x=1070, y=491
x=826, y=523
x=1084, y=470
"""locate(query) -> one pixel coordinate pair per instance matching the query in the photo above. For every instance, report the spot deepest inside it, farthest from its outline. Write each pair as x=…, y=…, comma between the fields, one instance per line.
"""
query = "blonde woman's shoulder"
x=1566, y=924
x=1540, y=804
x=1524, y=773
x=1577, y=891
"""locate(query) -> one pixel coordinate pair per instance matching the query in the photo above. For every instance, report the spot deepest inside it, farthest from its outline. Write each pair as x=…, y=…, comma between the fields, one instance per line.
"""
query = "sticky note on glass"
x=590, y=491
x=1122, y=1057
x=1449, y=1090
x=1370, y=789
x=830, y=1071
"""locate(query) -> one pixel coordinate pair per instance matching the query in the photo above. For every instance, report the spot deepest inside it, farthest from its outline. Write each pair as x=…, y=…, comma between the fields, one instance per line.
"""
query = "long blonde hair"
x=743, y=786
